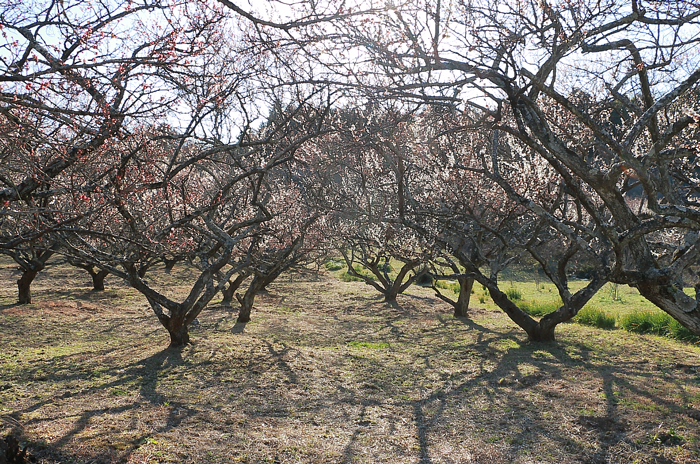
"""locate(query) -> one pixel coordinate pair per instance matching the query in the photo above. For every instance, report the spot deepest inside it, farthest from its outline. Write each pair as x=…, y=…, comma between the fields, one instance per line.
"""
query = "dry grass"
x=327, y=372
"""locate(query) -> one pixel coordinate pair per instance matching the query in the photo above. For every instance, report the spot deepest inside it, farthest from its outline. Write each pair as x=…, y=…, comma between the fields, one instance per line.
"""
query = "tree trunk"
x=169, y=264
x=30, y=270
x=98, y=280
x=246, y=307
x=391, y=294
x=465, y=294
x=179, y=335
x=228, y=292
x=247, y=300
x=24, y=286
x=675, y=302
x=542, y=333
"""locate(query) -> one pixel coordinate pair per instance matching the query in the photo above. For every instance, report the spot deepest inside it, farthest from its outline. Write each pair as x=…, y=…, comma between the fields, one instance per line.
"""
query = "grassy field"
x=616, y=300
x=327, y=372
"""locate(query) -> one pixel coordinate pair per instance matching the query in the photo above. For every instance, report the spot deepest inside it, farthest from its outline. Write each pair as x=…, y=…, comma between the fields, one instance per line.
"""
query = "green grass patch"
x=386, y=267
x=447, y=285
x=595, y=317
x=369, y=345
x=334, y=264
x=679, y=332
x=425, y=280
x=514, y=294
x=646, y=322
x=347, y=277
x=657, y=323
x=539, y=308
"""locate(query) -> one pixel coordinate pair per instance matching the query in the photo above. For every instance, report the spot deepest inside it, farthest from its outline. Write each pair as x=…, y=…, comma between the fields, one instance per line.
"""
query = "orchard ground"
x=328, y=372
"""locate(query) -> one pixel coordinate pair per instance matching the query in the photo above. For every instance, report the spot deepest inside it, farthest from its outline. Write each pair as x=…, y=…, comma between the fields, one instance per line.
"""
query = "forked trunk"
x=24, y=286
x=229, y=291
x=542, y=333
x=98, y=280
x=543, y=330
x=465, y=294
x=391, y=294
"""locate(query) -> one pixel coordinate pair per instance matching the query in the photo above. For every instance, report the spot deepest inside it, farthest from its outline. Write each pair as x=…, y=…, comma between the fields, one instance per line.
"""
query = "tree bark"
x=465, y=294
x=391, y=294
x=169, y=264
x=246, y=307
x=98, y=276
x=247, y=300
x=228, y=292
x=30, y=269
x=98, y=280
x=675, y=302
x=179, y=335
x=542, y=333
x=517, y=315
x=24, y=286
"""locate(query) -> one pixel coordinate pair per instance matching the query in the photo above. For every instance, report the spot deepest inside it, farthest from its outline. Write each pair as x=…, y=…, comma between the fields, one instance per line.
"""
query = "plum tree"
x=605, y=92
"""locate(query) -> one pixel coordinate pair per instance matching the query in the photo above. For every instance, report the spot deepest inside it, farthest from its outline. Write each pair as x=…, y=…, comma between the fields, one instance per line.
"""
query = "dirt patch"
x=54, y=308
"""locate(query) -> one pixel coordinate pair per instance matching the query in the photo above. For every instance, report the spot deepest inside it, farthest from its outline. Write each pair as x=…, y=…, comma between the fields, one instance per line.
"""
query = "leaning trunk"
x=465, y=293
x=228, y=292
x=675, y=302
x=247, y=300
x=24, y=286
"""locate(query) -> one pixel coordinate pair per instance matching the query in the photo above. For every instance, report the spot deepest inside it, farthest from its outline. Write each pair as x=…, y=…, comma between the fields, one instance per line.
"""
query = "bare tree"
x=624, y=148
x=96, y=274
x=131, y=132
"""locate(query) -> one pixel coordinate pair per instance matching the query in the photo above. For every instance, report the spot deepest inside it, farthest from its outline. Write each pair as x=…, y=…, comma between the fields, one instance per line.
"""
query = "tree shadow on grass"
x=444, y=319
x=142, y=374
x=512, y=378
x=238, y=327
x=507, y=379
x=11, y=305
